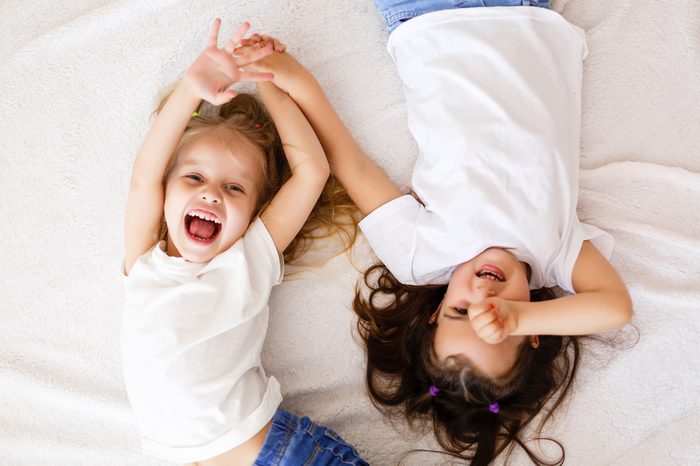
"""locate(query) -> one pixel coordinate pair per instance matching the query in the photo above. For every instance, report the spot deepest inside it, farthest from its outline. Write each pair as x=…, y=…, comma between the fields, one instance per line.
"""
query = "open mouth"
x=201, y=227
x=492, y=273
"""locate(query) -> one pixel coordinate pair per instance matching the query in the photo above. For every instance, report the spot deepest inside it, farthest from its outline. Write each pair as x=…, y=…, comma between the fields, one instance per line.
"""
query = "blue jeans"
x=294, y=441
x=396, y=12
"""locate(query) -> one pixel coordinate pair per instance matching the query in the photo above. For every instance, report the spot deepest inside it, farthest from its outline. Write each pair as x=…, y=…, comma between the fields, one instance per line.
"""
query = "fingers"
x=493, y=335
x=222, y=97
x=263, y=39
x=486, y=321
x=237, y=37
x=213, y=39
x=225, y=62
x=230, y=65
x=476, y=310
x=277, y=46
x=254, y=38
x=497, y=314
x=253, y=54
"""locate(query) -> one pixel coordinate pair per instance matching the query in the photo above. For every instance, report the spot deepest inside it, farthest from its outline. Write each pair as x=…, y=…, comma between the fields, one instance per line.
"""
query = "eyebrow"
x=454, y=359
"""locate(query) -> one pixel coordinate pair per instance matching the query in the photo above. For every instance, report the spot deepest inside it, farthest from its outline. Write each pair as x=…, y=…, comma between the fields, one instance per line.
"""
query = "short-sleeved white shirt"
x=493, y=102
x=191, y=342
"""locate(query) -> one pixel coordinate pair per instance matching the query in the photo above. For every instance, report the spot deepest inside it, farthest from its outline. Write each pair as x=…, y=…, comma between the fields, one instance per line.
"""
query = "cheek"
x=243, y=206
x=521, y=291
x=453, y=338
x=169, y=209
x=441, y=344
x=239, y=217
x=461, y=279
x=173, y=203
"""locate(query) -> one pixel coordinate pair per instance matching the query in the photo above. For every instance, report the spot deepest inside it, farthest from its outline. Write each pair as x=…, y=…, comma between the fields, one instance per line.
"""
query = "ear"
x=434, y=316
x=535, y=341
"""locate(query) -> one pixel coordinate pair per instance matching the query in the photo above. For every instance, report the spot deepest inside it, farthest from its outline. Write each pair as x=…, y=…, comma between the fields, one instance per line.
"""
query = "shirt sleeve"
x=261, y=253
x=390, y=231
x=602, y=240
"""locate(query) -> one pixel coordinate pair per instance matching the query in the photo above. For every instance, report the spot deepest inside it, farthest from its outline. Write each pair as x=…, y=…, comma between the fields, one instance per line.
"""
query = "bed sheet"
x=77, y=86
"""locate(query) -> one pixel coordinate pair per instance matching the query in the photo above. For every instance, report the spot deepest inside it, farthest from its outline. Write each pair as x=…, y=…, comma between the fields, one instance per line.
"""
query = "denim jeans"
x=294, y=441
x=396, y=12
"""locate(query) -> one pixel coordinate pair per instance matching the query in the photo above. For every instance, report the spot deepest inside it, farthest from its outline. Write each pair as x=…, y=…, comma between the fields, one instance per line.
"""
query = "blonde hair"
x=244, y=120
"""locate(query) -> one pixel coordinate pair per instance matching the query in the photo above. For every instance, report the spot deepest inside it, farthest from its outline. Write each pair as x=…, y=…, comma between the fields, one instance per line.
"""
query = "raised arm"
x=366, y=183
x=209, y=77
x=144, y=208
x=601, y=304
x=291, y=206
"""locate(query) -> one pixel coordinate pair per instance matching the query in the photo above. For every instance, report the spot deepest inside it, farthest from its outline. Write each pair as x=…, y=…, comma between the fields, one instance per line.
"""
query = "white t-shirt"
x=191, y=342
x=493, y=102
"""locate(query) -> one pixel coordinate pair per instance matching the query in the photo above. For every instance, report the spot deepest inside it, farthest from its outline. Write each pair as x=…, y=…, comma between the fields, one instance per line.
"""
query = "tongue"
x=201, y=228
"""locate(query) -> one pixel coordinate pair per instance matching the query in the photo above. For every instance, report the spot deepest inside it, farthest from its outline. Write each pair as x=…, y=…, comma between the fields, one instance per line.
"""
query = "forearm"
x=291, y=206
x=162, y=139
x=301, y=146
x=366, y=183
x=331, y=130
x=579, y=314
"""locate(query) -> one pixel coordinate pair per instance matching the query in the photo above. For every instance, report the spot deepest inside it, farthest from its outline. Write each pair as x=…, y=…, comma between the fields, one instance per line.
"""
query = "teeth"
x=204, y=217
x=489, y=275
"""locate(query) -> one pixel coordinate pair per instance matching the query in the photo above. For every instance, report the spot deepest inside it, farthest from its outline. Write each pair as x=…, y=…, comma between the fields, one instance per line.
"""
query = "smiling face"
x=210, y=196
x=494, y=272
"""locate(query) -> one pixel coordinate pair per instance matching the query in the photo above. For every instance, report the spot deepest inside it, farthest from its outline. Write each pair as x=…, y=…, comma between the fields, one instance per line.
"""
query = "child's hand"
x=263, y=40
x=284, y=67
x=493, y=319
x=217, y=69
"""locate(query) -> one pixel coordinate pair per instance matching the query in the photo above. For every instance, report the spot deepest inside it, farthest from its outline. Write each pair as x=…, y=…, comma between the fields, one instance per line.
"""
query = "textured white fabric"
x=77, y=87
x=493, y=99
x=191, y=343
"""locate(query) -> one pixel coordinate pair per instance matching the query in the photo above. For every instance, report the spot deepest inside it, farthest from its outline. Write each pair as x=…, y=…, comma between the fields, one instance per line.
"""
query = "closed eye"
x=461, y=311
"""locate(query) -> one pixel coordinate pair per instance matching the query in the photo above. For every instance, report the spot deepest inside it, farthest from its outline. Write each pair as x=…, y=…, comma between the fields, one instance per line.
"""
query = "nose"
x=211, y=195
x=483, y=292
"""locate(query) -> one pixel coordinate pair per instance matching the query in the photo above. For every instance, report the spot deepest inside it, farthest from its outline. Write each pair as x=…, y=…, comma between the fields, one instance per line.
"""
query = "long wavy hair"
x=245, y=120
x=397, y=332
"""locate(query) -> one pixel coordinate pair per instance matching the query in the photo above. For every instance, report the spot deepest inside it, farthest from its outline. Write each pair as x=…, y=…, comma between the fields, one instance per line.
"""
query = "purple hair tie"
x=433, y=390
x=494, y=407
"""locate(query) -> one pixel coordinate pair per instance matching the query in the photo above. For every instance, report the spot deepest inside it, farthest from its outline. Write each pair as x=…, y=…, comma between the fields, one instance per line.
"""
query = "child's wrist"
x=186, y=94
x=296, y=83
x=523, y=317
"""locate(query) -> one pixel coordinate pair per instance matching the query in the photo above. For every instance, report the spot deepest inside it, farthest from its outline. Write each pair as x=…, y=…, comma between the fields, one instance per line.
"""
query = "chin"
x=200, y=254
x=193, y=251
x=198, y=258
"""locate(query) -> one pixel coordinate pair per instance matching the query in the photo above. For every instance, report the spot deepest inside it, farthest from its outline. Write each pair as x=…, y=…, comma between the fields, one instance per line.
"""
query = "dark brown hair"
x=245, y=120
x=394, y=324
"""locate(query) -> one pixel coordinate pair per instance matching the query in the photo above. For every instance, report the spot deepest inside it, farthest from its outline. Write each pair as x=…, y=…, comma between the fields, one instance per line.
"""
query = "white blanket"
x=77, y=85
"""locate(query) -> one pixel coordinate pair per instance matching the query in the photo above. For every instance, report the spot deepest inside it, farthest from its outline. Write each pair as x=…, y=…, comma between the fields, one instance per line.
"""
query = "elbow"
x=315, y=175
x=312, y=170
x=325, y=169
x=321, y=171
x=623, y=309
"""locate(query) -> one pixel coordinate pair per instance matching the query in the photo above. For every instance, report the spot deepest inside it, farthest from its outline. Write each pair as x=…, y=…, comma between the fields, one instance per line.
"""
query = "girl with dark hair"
x=459, y=324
